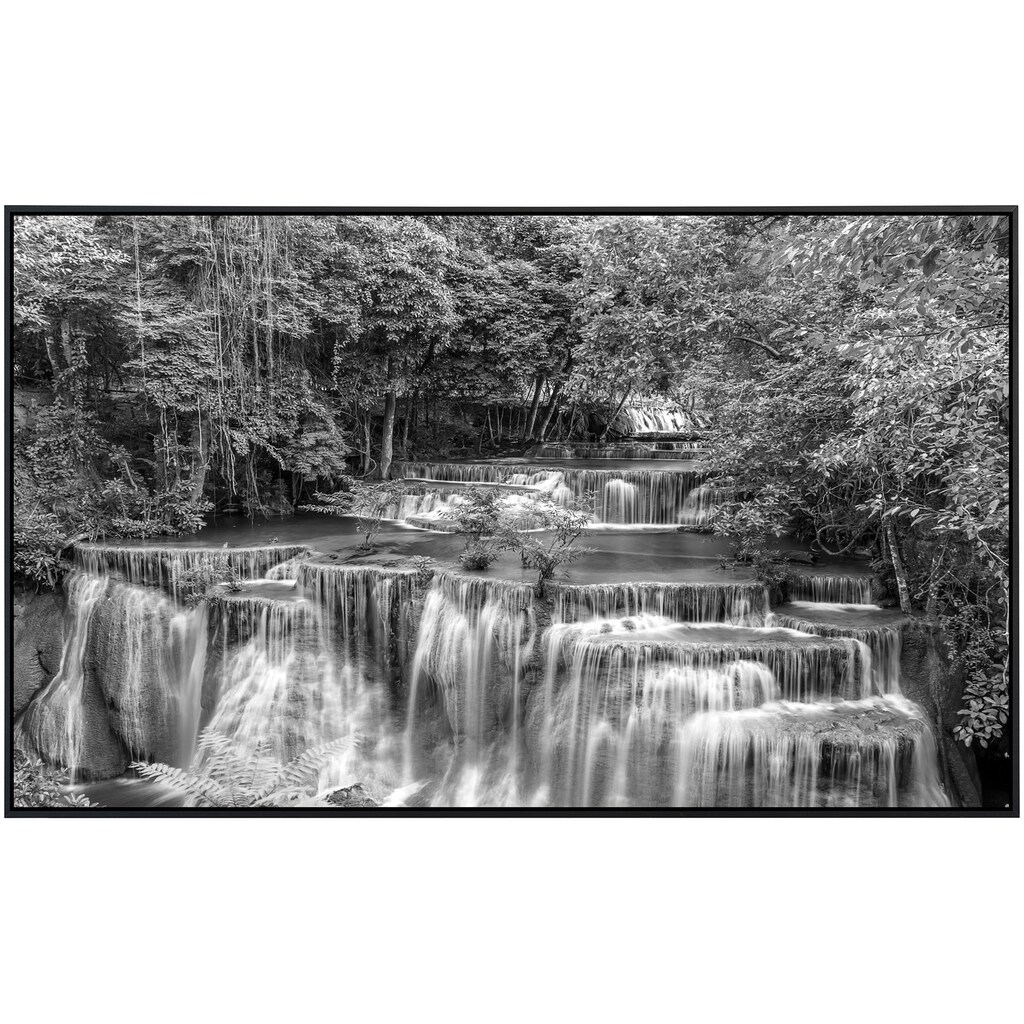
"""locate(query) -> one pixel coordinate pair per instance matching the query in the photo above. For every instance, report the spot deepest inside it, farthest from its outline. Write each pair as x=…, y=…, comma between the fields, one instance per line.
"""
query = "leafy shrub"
x=192, y=580
x=38, y=785
x=566, y=525
x=71, y=484
x=771, y=567
x=370, y=502
x=482, y=516
x=982, y=651
x=38, y=540
x=425, y=568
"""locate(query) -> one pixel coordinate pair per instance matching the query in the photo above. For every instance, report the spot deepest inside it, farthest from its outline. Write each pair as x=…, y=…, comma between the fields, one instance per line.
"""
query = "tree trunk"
x=65, y=340
x=410, y=404
x=897, y=565
x=556, y=393
x=531, y=421
x=53, y=355
x=387, y=441
x=618, y=409
x=199, y=468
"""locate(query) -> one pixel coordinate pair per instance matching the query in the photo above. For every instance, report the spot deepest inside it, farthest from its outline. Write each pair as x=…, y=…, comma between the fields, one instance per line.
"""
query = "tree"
x=405, y=312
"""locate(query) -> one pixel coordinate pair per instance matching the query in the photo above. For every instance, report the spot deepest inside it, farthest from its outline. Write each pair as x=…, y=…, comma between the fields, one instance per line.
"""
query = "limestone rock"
x=351, y=796
x=38, y=642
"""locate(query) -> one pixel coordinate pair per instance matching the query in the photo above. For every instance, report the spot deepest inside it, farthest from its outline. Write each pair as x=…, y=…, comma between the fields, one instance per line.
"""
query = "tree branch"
x=764, y=346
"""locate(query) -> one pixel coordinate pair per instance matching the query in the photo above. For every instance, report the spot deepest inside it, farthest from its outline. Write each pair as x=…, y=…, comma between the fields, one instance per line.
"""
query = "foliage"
x=36, y=784
x=38, y=541
x=566, y=525
x=370, y=502
x=871, y=413
x=223, y=774
x=857, y=367
x=192, y=580
x=982, y=652
x=483, y=517
x=74, y=484
x=425, y=569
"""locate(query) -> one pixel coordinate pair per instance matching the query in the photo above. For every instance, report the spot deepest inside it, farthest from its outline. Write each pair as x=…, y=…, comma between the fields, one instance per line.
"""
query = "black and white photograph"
x=511, y=512
x=434, y=510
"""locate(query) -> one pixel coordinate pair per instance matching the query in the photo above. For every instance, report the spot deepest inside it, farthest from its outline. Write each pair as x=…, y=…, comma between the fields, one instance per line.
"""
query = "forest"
x=852, y=373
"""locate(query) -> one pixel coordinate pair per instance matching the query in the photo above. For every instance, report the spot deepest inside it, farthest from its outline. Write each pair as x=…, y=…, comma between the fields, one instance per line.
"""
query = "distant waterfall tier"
x=618, y=450
x=163, y=565
x=881, y=631
x=876, y=752
x=806, y=586
x=655, y=419
x=738, y=603
x=641, y=496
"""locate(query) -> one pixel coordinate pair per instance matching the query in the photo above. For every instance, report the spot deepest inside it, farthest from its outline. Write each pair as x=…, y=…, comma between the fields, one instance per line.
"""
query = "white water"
x=53, y=724
x=639, y=694
x=643, y=497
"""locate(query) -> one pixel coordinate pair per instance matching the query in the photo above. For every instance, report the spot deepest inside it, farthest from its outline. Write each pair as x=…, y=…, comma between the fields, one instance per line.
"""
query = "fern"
x=223, y=774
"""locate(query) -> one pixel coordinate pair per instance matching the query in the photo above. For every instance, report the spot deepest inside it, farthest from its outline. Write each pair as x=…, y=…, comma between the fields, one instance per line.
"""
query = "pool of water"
x=613, y=555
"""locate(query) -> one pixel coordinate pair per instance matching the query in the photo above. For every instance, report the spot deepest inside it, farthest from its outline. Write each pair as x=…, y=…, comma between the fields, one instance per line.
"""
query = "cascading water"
x=648, y=496
x=655, y=419
x=830, y=589
x=162, y=565
x=618, y=450
x=149, y=656
x=53, y=725
x=876, y=752
x=699, y=507
x=475, y=639
x=884, y=641
x=477, y=692
x=737, y=603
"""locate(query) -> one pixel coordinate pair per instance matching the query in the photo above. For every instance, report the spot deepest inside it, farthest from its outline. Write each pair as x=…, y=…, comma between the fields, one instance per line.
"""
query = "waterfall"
x=700, y=506
x=367, y=609
x=738, y=603
x=876, y=752
x=618, y=450
x=884, y=641
x=830, y=589
x=149, y=656
x=159, y=565
x=608, y=708
x=145, y=657
x=655, y=419
x=654, y=496
x=616, y=693
x=620, y=502
x=53, y=725
x=478, y=692
x=476, y=637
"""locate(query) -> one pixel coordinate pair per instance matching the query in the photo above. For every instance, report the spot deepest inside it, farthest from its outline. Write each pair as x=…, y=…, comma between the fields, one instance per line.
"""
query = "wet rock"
x=803, y=557
x=929, y=678
x=351, y=796
x=117, y=662
x=38, y=642
x=101, y=755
